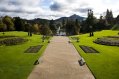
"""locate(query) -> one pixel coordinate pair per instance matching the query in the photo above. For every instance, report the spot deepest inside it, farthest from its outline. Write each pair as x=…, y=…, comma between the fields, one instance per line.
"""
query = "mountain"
x=72, y=17
x=44, y=21
x=37, y=20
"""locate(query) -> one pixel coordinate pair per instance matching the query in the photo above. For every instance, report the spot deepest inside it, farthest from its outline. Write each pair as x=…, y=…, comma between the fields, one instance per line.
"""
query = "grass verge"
x=105, y=64
x=14, y=63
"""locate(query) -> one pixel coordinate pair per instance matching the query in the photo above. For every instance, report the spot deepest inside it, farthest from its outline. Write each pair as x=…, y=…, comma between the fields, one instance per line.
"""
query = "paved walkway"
x=60, y=61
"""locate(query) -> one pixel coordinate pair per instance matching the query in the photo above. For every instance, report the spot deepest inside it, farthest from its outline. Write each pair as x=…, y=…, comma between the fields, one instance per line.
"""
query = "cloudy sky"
x=53, y=9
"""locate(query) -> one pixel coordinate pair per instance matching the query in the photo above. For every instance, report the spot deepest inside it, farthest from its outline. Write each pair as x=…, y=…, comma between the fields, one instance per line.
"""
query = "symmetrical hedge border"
x=33, y=49
x=87, y=49
x=109, y=40
x=12, y=41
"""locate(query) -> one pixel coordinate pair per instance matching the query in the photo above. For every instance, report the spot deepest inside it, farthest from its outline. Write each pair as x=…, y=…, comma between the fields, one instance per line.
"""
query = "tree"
x=29, y=28
x=77, y=27
x=70, y=27
x=9, y=23
x=52, y=26
x=45, y=30
x=63, y=24
x=117, y=19
x=90, y=22
x=19, y=24
x=109, y=18
x=35, y=28
x=2, y=26
x=101, y=24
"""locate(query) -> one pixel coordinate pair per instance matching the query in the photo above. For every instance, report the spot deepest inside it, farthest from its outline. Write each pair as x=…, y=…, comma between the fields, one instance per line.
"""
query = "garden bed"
x=33, y=49
x=1, y=37
x=12, y=41
x=87, y=49
x=109, y=40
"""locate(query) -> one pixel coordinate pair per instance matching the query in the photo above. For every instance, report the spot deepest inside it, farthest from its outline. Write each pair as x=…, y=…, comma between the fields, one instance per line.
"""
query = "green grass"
x=14, y=63
x=104, y=65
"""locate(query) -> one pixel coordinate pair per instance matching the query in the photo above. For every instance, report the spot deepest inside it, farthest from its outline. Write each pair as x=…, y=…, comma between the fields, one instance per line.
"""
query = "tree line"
x=71, y=27
x=8, y=23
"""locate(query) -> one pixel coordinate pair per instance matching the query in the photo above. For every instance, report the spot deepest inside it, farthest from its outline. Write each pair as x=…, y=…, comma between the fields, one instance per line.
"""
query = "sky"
x=53, y=9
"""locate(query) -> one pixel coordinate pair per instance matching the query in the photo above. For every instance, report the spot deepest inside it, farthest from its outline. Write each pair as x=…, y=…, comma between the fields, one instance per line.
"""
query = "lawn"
x=14, y=63
x=105, y=64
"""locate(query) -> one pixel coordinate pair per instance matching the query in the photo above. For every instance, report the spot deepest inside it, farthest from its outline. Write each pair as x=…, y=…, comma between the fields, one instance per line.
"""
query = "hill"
x=72, y=17
x=44, y=21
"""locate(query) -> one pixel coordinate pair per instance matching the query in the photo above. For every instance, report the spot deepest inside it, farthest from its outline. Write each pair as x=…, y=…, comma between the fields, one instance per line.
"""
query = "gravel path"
x=60, y=61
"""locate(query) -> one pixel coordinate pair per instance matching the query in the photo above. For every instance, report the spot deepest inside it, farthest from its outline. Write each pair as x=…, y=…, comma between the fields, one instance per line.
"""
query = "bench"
x=82, y=62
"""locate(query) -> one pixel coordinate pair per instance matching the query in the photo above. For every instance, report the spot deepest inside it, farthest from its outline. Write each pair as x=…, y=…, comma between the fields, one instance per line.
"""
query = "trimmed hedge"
x=12, y=41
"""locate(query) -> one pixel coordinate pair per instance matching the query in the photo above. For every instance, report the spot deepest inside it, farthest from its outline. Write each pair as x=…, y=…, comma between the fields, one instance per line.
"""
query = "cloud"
x=13, y=3
x=55, y=6
x=16, y=11
x=83, y=10
x=53, y=9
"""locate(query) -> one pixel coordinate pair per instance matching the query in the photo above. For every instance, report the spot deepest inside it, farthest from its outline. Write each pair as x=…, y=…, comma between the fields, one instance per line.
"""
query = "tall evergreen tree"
x=90, y=22
x=19, y=24
x=109, y=18
x=77, y=27
x=63, y=23
x=52, y=26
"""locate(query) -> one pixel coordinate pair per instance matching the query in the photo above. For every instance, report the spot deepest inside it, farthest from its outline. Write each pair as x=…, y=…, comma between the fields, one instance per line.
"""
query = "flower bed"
x=12, y=41
x=33, y=49
x=109, y=40
x=87, y=49
x=1, y=37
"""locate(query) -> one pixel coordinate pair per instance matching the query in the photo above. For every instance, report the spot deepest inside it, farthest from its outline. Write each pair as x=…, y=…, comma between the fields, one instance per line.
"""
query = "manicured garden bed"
x=12, y=41
x=33, y=49
x=1, y=37
x=88, y=49
x=109, y=40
